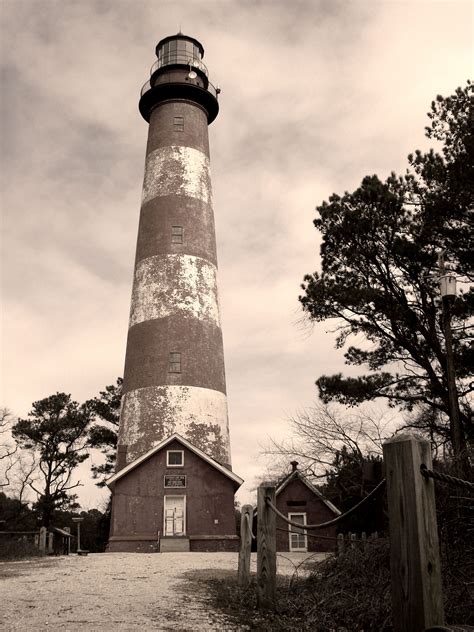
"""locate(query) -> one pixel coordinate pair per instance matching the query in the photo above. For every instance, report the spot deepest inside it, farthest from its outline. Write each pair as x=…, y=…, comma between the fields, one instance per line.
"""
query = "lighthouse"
x=173, y=487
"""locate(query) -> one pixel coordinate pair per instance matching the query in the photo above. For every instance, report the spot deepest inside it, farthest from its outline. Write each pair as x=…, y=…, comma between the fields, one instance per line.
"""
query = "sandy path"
x=114, y=591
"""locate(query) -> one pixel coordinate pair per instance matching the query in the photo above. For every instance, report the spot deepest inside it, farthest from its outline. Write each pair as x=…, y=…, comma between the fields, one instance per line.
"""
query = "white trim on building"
x=297, y=541
x=296, y=475
x=175, y=437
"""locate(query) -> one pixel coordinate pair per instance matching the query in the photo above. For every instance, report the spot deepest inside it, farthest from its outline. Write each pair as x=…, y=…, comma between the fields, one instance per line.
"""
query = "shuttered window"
x=177, y=234
x=178, y=123
x=175, y=362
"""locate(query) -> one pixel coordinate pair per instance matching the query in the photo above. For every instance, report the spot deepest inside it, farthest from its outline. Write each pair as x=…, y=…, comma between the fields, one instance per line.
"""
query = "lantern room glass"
x=178, y=51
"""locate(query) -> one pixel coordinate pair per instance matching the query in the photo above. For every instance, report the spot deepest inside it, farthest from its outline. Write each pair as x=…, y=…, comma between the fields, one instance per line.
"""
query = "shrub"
x=17, y=548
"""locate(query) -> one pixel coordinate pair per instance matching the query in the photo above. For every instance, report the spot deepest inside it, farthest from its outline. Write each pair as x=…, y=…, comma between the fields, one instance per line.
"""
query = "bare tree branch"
x=323, y=431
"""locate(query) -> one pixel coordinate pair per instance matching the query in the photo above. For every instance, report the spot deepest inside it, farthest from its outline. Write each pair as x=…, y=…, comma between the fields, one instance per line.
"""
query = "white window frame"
x=184, y=511
x=168, y=464
x=291, y=515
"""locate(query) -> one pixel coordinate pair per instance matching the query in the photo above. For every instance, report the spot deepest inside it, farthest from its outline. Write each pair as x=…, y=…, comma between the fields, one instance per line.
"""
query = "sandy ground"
x=117, y=591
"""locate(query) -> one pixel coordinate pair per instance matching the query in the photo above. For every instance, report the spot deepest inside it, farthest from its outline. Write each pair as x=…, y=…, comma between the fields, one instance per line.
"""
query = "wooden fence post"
x=340, y=543
x=67, y=547
x=415, y=568
x=42, y=539
x=245, y=545
x=266, y=548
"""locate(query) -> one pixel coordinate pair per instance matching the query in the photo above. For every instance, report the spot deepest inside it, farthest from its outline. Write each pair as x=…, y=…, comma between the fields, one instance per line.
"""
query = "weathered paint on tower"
x=174, y=379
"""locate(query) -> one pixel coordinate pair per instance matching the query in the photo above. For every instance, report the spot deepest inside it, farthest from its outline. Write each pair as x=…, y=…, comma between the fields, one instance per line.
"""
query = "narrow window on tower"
x=177, y=234
x=175, y=362
x=178, y=123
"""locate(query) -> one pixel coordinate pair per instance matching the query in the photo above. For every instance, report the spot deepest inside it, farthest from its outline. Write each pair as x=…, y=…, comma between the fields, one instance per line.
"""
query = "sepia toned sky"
x=315, y=95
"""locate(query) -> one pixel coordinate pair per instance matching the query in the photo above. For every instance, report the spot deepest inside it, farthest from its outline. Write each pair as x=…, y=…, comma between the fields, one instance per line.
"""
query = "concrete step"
x=176, y=544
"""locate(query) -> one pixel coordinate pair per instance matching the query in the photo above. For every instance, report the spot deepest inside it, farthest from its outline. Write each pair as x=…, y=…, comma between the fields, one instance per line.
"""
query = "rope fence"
x=247, y=518
x=329, y=523
x=350, y=540
x=413, y=535
x=445, y=478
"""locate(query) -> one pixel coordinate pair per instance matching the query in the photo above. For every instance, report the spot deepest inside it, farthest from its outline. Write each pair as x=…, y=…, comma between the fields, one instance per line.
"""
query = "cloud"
x=315, y=95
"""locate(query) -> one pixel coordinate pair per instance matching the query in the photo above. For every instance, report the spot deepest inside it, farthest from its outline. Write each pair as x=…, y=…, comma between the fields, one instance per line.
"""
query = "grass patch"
x=240, y=605
x=350, y=593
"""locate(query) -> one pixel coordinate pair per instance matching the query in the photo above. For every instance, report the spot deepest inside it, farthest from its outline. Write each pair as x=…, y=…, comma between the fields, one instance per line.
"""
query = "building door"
x=175, y=515
x=298, y=539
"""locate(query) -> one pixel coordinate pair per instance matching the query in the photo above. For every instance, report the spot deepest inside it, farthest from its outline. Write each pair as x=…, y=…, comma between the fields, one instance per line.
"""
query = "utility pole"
x=447, y=286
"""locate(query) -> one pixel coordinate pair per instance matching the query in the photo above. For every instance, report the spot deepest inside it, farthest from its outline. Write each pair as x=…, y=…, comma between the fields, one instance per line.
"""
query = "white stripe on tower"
x=182, y=409
x=172, y=283
x=177, y=170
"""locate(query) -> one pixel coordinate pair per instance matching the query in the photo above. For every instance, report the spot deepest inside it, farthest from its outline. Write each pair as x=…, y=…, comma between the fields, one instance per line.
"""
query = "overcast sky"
x=315, y=95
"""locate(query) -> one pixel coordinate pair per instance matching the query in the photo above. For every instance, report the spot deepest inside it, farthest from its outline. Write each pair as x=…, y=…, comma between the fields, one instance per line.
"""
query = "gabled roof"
x=174, y=437
x=296, y=474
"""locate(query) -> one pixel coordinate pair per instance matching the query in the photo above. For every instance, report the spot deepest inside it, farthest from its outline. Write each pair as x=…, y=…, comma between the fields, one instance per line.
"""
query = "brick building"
x=301, y=502
x=174, y=497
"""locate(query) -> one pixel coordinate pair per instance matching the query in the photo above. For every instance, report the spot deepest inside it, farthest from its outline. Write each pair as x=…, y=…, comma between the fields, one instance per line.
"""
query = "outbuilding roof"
x=62, y=532
x=175, y=437
x=297, y=475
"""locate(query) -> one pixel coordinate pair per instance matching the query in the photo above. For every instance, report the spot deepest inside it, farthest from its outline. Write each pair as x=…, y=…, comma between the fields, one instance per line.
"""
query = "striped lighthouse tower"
x=174, y=379
x=173, y=489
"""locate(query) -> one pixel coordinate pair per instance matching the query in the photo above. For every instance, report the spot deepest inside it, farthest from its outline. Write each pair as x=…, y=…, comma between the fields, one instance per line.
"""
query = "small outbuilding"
x=175, y=497
x=61, y=541
x=300, y=501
